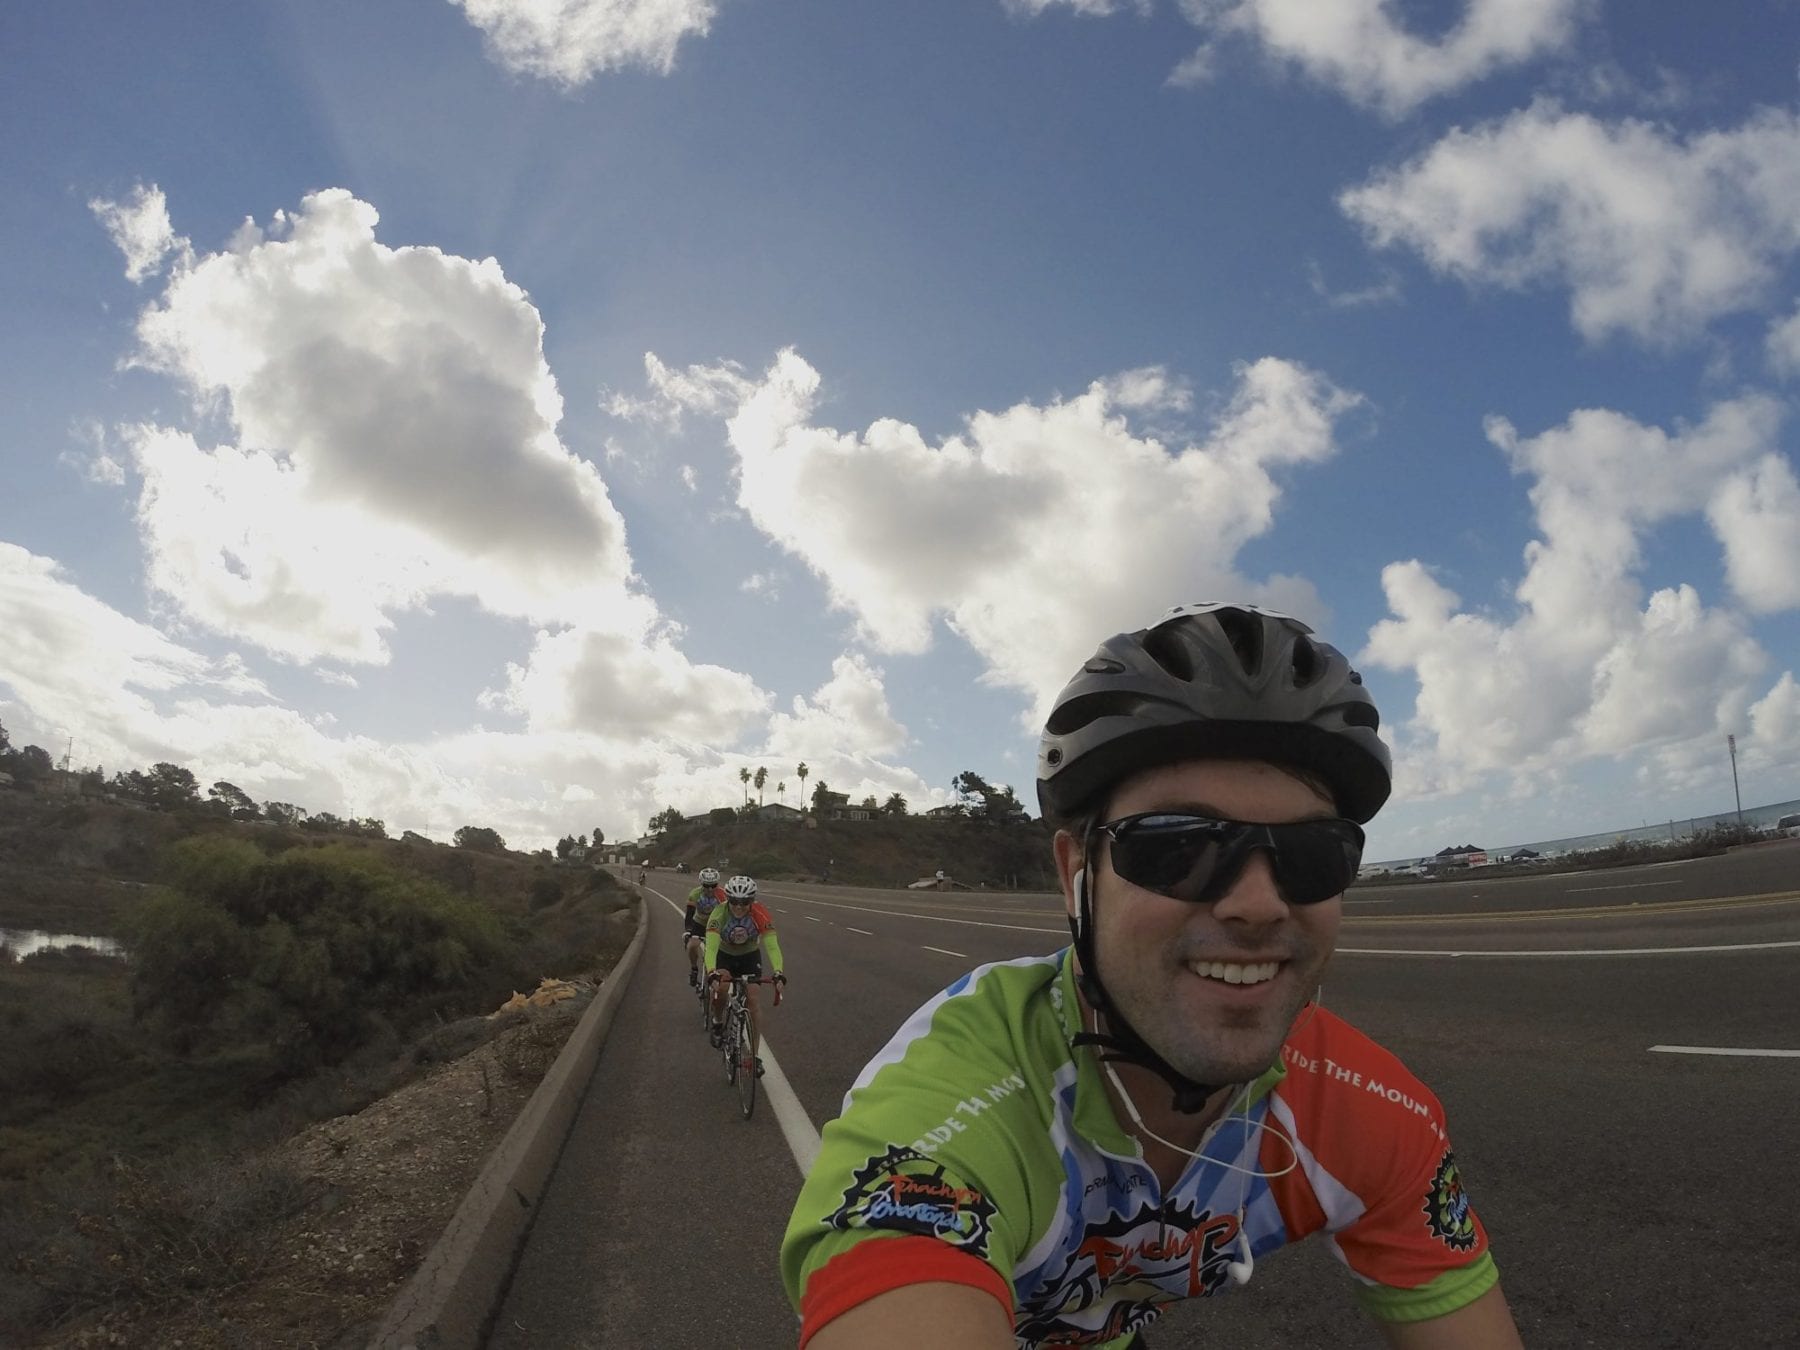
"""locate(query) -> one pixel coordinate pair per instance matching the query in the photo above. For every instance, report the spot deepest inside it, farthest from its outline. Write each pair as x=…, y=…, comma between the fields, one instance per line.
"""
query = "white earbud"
x=1241, y=1271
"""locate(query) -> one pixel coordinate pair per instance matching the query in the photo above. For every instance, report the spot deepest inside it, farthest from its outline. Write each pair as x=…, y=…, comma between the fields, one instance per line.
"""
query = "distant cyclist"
x=701, y=902
x=736, y=934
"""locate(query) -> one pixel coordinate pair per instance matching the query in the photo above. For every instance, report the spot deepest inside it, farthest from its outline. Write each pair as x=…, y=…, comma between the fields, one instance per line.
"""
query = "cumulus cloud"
x=140, y=227
x=846, y=734
x=709, y=390
x=130, y=696
x=1654, y=235
x=612, y=685
x=396, y=437
x=1589, y=666
x=1756, y=515
x=1093, y=9
x=1034, y=530
x=568, y=42
x=1362, y=49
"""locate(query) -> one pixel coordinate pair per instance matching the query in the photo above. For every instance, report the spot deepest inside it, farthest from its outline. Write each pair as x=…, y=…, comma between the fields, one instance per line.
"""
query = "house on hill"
x=776, y=811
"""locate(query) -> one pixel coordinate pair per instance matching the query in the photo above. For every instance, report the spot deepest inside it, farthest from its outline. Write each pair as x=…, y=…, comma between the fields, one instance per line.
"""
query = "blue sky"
x=528, y=414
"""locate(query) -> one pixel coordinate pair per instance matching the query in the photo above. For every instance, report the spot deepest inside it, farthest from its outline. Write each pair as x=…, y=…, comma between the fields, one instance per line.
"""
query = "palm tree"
x=802, y=772
x=744, y=778
x=781, y=791
x=762, y=776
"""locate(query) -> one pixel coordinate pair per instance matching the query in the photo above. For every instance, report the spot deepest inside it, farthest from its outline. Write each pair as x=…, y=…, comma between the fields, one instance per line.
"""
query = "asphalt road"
x=1635, y=1197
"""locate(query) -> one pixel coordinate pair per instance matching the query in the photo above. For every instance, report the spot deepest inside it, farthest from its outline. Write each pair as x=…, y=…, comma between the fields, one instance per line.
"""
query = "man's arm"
x=1485, y=1324
x=922, y=1314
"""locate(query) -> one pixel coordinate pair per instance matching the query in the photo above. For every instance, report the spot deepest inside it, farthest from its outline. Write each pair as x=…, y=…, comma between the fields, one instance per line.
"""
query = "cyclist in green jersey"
x=1055, y=1147
x=701, y=902
x=736, y=936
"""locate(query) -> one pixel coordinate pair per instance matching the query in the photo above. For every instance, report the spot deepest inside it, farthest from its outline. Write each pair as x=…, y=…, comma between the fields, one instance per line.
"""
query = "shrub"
x=304, y=950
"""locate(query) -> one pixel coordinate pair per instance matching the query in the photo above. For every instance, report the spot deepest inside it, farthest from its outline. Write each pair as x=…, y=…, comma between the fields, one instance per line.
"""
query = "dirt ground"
x=380, y=1187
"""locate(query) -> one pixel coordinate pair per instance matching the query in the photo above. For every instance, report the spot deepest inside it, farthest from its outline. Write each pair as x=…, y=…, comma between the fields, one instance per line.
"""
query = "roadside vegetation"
x=275, y=977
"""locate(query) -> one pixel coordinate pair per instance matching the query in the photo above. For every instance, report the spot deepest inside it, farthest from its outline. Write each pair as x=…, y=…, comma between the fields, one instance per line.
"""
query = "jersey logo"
x=738, y=931
x=1125, y=1269
x=908, y=1192
x=1447, y=1211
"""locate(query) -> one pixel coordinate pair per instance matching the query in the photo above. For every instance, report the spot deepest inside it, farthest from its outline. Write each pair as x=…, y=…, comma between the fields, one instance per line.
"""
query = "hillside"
x=886, y=851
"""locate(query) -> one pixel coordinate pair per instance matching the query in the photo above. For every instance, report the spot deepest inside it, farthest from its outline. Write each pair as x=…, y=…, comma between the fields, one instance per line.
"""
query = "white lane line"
x=812, y=918
x=796, y=1126
x=865, y=932
x=946, y=951
x=1628, y=886
x=1600, y=951
x=1724, y=1050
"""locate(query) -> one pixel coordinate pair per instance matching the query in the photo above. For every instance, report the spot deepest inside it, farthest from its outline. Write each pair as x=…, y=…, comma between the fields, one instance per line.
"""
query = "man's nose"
x=1253, y=898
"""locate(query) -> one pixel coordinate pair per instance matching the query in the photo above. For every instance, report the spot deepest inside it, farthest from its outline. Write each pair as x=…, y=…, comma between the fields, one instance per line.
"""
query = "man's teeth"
x=1232, y=973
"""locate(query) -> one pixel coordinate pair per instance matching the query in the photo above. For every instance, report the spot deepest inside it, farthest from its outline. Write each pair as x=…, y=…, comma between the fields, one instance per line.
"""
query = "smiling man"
x=1055, y=1147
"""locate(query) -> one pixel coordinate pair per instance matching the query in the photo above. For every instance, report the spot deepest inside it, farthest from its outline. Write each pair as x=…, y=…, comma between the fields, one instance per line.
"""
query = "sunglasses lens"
x=1176, y=856
x=1316, y=859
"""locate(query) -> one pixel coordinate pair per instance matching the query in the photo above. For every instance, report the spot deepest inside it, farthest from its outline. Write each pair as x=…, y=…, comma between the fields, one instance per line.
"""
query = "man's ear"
x=1069, y=862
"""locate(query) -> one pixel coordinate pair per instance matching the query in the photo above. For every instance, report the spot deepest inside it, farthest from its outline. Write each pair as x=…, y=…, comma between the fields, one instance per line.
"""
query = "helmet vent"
x=1165, y=647
x=1306, y=663
x=1362, y=715
x=1245, y=633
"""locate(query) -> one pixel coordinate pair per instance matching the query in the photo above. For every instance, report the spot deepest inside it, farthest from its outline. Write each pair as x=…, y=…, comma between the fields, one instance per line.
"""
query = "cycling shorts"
x=749, y=965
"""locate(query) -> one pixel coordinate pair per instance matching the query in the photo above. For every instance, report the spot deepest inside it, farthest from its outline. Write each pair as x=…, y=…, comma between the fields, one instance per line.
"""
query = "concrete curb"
x=453, y=1296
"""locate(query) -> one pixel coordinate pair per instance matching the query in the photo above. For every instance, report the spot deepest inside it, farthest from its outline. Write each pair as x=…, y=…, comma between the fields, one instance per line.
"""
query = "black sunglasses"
x=1197, y=858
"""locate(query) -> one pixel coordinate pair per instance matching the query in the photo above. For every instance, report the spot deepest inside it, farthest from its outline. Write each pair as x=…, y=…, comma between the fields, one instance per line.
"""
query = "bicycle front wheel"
x=746, y=1081
x=730, y=1046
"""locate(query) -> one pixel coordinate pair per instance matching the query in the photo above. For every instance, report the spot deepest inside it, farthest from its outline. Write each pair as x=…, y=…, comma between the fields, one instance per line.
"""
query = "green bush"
x=303, y=950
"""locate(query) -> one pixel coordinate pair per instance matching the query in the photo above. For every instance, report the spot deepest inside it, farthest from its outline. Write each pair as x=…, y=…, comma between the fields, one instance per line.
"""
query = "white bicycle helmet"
x=709, y=876
x=741, y=888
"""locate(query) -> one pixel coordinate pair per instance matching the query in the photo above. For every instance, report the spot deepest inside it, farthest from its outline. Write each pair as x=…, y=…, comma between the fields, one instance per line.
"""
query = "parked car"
x=1789, y=825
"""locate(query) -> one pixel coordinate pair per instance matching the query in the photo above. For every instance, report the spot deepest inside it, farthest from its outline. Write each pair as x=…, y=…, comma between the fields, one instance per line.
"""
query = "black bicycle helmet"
x=1214, y=681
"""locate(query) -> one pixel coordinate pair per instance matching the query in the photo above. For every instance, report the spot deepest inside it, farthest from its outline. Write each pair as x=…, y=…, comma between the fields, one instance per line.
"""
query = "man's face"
x=1162, y=960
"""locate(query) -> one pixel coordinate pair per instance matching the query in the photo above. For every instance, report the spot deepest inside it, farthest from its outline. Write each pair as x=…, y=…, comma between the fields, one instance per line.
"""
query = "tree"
x=369, y=827
x=744, y=778
x=324, y=822
x=781, y=791
x=894, y=805
x=283, y=813
x=801, y=773
x=868, y=803
x=5, y=740
x=481, y=839
x=762, y=776
x=665, y=820
x=30, y=765
x=821, y=790
x=235, y=801
x=599, y=838
x=172, y=787
x=564, y=846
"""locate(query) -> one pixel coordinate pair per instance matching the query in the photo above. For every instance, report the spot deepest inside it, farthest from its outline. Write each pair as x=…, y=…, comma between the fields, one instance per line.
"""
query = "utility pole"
x=1731, y=745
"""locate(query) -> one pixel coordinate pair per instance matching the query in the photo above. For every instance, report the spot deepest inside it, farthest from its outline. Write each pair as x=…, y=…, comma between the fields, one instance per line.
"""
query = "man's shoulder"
x=1341, y=1075
x=1001, y=1015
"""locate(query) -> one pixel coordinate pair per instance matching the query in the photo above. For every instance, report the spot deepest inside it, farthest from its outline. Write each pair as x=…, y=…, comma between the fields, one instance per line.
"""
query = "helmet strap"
x=1121, y=1041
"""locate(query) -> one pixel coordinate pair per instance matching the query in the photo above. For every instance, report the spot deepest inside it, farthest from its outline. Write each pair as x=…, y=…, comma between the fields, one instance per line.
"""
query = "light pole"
x=1731, y=745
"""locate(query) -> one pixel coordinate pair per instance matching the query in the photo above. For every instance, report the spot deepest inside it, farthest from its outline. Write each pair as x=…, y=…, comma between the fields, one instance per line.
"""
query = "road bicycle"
x=740, y=1063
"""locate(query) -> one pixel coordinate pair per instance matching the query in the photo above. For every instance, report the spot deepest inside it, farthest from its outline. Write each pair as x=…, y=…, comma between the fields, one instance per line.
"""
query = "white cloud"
x=1361, y=48
x=690, y=478
x=712, y=391
x=396, y=427
x=1033, y=531
x=1589, y=666
x=568, y=42
x=1783, y=345
x=1654, y=235
x=130, y=697
x=615, y=685
x=140, y=227
x=764, y=584
x=1093, y=9
x=845, y=733
x=1756, y=515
